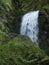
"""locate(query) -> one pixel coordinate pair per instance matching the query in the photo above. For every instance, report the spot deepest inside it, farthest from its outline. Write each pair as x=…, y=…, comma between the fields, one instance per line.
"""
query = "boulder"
x=21, y=51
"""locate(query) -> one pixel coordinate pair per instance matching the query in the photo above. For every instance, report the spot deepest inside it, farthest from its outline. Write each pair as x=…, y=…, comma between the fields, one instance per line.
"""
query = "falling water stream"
x=29, y=26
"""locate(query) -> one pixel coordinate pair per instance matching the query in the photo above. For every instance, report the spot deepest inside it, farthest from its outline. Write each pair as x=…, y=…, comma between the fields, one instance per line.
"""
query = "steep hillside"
x=16, y=49
x=20, y=51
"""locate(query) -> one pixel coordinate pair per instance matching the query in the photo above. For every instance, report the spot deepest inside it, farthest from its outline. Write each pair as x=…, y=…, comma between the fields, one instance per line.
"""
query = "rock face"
x=44, y=31
x=43, y=27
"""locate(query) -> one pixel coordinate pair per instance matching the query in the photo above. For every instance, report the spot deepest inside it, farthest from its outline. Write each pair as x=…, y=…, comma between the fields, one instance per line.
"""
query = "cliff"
x=19, y=50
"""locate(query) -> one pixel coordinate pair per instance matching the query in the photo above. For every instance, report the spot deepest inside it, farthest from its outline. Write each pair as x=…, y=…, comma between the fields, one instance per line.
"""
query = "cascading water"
x=29, y=26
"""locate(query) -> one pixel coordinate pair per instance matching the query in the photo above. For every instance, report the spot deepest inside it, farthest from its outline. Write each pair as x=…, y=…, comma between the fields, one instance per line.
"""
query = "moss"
x=45, y=47
x=21, y=51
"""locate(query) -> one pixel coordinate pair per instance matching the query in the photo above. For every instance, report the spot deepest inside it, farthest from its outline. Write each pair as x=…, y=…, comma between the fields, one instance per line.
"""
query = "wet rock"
x=43, y=26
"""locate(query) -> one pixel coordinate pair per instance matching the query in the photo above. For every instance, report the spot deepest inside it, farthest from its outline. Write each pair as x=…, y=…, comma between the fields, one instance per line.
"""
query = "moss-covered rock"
x=45, y=47
x=21, y=51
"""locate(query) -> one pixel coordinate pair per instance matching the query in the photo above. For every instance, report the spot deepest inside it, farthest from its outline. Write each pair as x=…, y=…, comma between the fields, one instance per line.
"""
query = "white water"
x=29, y=26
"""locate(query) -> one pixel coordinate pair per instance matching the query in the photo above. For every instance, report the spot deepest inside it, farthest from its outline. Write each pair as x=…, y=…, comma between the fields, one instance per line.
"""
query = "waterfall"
x=29, y=26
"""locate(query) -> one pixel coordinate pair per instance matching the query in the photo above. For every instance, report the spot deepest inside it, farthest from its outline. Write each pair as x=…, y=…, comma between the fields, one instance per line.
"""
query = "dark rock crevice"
x=43, y=27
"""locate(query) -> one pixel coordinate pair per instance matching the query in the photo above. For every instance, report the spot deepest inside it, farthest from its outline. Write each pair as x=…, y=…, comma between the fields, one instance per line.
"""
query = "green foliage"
x=13, y=10
x=2, y=26
x=21, y=51
x=45, y=48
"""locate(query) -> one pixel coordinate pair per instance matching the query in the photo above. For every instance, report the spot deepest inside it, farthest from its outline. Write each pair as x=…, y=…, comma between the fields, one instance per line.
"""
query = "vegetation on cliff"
x=19, y=50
